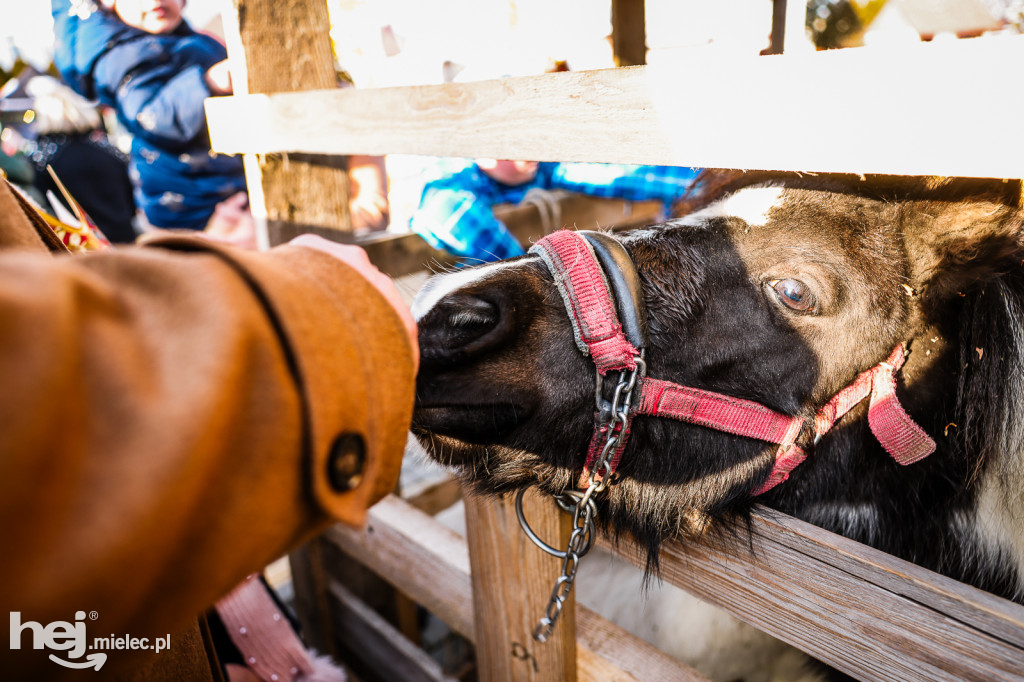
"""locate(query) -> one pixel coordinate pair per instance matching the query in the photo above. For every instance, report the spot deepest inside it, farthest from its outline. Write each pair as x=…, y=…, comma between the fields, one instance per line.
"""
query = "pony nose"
x=462, y=326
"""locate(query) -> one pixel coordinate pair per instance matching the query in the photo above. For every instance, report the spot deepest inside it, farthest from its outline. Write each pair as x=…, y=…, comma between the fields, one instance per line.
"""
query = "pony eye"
x=793, y=294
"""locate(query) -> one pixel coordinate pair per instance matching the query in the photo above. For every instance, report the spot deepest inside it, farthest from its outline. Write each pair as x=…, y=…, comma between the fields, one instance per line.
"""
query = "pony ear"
x=956, y=247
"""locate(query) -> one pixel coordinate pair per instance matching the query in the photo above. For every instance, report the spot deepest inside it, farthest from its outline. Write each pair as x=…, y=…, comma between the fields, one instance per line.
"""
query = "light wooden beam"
x=935, y=109
x=430, y=563
x=377, y=644
x=868, y=614
x=863, y=611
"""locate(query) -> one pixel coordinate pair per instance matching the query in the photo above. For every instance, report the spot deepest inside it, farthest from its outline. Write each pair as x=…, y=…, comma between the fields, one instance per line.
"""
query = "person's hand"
x=512, y=173
x=368, y=185
x=356, y=258
x=369, y=212
x=232, y=222
x=218, y=78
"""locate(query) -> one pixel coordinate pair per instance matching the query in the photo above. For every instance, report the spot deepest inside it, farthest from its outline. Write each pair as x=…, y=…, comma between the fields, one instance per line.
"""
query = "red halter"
x=583, y=284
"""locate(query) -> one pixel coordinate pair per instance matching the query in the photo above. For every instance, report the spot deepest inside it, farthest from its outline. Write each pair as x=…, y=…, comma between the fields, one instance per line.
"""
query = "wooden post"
x=310, y=581
x=629, y=32
x=284, y=46
x=512, y=582
x=777, y=44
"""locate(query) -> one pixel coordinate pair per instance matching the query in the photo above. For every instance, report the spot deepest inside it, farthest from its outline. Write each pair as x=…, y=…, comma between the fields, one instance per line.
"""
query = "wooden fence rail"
x=430, y=563
x=935, y=109
x=865, y=612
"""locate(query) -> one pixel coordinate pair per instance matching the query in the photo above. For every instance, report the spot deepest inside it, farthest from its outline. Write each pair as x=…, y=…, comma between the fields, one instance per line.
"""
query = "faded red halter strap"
x=584, y=288
x=893, y=427
x=581, y=281
x=898, y=433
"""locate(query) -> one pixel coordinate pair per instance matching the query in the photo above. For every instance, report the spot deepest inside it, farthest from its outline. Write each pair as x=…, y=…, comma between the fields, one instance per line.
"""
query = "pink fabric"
x=895, y=430
x=732, y=415
x=786, y=459
x=859, y=389
x=902, y=438
x=588, y=302
x=843, y=402
x=266, y=640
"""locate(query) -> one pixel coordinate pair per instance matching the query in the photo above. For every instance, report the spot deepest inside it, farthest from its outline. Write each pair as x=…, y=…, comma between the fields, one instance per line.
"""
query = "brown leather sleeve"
x=167, y=417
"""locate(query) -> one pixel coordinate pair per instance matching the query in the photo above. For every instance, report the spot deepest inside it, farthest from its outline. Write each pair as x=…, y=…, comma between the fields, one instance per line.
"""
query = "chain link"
x=583, y=507
x=618, y=421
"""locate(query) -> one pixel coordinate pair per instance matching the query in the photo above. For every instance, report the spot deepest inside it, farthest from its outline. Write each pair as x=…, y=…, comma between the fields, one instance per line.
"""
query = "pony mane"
x=990, y=390
x=712, y=184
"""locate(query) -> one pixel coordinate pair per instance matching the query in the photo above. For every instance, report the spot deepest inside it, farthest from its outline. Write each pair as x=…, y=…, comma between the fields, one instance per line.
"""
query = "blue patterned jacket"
x=155, y=84
x=455, y=212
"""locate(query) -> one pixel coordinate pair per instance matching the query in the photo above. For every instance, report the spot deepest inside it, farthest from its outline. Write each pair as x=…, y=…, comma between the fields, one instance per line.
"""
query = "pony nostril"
x=475, y=314
x=461, y=325
x=472, y=319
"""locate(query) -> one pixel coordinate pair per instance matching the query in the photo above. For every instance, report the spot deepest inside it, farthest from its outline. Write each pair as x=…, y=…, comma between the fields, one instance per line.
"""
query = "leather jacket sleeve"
x=175, y=416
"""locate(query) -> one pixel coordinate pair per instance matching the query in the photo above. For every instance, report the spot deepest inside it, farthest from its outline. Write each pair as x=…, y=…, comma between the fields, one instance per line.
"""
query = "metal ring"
x=591, y=531
x=529, y=531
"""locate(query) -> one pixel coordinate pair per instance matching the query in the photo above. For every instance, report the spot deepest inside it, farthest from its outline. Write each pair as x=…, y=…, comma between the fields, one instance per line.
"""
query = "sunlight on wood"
x=929, y=108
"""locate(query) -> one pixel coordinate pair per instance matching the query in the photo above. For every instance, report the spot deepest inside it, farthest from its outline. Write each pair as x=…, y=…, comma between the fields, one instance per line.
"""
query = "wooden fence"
x=948, y=109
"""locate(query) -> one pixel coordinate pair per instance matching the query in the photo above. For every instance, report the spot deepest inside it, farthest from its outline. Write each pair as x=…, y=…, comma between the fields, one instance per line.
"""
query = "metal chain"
x=580, y=542
x=583, y=507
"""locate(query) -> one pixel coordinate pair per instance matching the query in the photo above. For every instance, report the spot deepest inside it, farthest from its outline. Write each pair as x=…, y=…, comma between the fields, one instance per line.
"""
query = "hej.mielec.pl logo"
x=71, y=638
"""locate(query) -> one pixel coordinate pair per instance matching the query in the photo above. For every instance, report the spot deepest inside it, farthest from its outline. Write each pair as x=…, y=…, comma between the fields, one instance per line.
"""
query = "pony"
x=778, y=291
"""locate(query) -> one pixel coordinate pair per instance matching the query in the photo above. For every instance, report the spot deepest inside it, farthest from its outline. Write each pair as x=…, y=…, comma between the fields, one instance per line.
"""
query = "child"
x=455, y=212
x=141, y=58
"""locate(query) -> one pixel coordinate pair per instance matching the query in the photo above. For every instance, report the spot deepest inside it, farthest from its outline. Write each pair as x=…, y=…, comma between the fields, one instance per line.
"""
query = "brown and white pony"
x=779, y=292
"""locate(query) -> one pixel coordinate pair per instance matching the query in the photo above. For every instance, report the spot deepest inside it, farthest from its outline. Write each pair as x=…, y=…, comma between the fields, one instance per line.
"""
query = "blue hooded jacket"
x=155, y=84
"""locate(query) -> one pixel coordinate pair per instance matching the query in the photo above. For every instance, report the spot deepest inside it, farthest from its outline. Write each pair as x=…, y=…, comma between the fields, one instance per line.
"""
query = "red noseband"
x=584, y=266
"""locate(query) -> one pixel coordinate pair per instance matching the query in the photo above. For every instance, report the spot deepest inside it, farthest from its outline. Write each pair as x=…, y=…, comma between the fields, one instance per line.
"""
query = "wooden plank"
x=623, y=660
x=430, y=563
x=380, y=647
x=982, y=610
x=578, y=211
x=892, y=111
x=864, y=612
x=416, y=554
x=310, y=582
x=303, y=189
x=797, y=39
x=436, y=497
x=629, y=32
x=402, y=254
x=931, y=17
x=512, y=582
x=777, y=42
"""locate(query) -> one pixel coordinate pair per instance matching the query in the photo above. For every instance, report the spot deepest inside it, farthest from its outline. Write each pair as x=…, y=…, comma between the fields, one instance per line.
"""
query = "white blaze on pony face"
x=751, y=205
x=440, y=286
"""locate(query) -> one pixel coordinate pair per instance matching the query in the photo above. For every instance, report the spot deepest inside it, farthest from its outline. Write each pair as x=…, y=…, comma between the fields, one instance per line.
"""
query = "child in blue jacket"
x=145, y=61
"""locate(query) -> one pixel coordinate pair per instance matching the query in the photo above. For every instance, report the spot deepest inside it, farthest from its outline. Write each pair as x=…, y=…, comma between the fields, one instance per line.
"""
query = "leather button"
x=346, y=462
